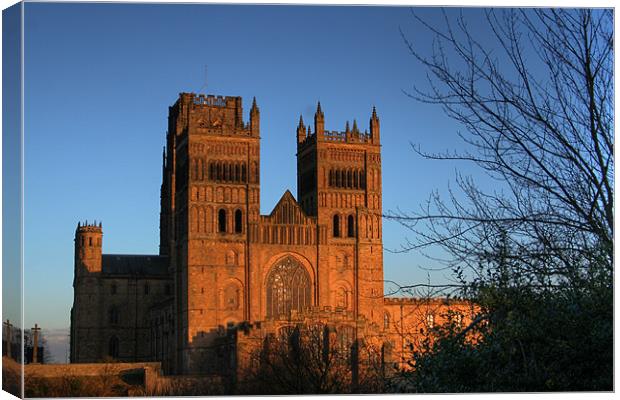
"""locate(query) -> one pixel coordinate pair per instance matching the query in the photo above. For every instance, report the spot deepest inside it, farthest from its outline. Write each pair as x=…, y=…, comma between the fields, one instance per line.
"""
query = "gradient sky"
x=99, y=79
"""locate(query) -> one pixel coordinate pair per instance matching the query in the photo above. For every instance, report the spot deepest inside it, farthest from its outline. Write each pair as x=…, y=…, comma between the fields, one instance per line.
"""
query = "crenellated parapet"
x=88, y=238
x=213, y=115
x=350, y=135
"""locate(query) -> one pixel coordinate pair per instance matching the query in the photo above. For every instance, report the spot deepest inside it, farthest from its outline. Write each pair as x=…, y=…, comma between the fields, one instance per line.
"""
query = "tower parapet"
x=88, y=237
x=210, y=114
x=349, y=135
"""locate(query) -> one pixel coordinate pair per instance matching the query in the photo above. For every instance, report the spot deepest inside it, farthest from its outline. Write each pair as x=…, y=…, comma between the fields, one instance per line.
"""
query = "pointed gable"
x=287, y=211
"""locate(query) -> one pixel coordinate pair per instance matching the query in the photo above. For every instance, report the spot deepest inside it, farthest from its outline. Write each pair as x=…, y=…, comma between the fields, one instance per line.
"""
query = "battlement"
x=352, y=135
x=211, y=114
x=213, y=101
x=89, y=227
x=337, y=137
x=421, y=301
x=210, y=100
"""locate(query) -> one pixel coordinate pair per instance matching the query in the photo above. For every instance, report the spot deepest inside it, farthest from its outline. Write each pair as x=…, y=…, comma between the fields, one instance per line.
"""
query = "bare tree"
x=313, y=358
x=538, y=110
x=536, y=253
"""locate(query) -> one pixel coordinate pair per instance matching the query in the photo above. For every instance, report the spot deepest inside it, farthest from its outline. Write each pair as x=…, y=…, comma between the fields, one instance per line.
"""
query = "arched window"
x=113, y=347
x=350, y=226
x=331, y=178
x=237, y=173
x=243, y=173
x=113, y=315
x=221, y=221
x=238, y=221
x=218, y=171
x=430, y=320
x=355, y=182
x=386, y=321
x=349, y=179
x=226, y=172
x=288, y=288
x=336, y=225
x=211, y=178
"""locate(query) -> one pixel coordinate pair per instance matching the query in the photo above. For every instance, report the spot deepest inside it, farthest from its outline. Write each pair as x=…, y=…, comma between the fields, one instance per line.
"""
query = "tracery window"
x=288, y=288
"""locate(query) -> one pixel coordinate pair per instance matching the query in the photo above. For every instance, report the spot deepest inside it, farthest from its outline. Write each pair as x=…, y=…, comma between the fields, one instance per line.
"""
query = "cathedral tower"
x=339, y=182
x=210, y=195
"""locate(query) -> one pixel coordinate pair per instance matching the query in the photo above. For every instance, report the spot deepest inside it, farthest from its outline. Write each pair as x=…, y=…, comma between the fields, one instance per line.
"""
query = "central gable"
x=288, y=212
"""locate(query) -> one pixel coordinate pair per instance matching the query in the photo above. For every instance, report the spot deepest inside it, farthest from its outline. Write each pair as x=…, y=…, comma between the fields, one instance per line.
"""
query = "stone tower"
x=210, y=193
x=88, y=248
x=339, y=182
x=86, y=310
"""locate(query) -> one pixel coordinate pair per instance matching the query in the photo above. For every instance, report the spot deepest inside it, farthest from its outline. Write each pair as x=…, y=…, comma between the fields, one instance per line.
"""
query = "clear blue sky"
x=98, y=82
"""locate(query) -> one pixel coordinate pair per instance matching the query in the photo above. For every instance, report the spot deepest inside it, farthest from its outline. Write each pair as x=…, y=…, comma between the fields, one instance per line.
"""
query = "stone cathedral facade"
x=223, y=266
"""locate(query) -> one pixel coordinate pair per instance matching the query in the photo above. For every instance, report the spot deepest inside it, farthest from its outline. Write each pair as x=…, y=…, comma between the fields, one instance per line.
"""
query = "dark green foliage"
x=529, y=338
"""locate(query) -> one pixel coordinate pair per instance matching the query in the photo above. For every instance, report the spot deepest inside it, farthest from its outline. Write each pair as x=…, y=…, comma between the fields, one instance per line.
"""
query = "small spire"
x=301, y=121
x=99, y=224
x=346, y=128
x=318, y=108
x=254, y=106
x=78, y=225
x=355, y=126
x=309, y=131
x=374, y=112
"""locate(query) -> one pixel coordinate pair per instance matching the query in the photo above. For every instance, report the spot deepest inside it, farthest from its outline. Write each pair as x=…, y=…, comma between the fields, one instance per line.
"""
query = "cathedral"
x=223, y=267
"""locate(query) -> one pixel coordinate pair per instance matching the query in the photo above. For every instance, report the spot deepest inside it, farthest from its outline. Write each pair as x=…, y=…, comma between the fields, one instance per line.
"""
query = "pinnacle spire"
x=346, y=128
x=301, y=121
x=318, y=108
x=355, y=126
x=374, y=112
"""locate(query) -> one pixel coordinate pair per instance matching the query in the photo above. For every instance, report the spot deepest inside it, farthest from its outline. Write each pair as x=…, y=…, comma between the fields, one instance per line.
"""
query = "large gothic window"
x=288, y=288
